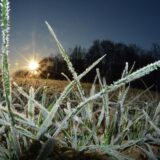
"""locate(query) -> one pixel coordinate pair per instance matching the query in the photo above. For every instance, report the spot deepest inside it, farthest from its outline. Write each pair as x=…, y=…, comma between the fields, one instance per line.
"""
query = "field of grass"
x=55, y=87
x=134, y=101
x=55, y=120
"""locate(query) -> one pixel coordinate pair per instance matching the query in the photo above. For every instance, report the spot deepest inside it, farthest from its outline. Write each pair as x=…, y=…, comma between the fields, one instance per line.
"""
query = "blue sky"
x=80, y=22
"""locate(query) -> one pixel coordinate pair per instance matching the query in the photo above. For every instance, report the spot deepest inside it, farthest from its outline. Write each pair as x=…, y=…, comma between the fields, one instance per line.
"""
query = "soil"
x=53, y=151
x=60, y=153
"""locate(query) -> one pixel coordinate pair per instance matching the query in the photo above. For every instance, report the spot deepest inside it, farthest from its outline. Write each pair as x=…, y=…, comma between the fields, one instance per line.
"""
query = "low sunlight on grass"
x=44, y=119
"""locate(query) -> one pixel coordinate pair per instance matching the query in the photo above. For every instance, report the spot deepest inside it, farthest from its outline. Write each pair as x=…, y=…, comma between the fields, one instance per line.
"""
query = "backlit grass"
x=104, y=119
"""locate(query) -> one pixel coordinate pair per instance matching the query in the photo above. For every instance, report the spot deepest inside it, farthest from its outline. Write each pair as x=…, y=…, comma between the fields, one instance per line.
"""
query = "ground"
x=135, y=97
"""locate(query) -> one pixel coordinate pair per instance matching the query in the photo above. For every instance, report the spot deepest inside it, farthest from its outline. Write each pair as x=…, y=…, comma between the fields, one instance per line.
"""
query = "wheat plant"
x=5, y=25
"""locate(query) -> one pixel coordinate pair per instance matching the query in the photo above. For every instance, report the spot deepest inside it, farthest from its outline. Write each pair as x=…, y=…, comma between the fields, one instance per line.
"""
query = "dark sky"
x=80, y=22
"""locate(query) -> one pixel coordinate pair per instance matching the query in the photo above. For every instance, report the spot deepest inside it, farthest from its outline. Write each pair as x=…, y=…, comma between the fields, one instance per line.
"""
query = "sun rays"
x=33, y=65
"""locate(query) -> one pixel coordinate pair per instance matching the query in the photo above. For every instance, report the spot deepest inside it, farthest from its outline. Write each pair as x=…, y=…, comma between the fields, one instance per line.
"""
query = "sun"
x=33, y=65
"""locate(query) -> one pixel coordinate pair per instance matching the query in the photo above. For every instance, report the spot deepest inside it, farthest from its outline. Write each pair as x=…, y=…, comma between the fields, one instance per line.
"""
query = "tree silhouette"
x=52, y=67
x=77, y=57
x=22, y=73
x=111, y=67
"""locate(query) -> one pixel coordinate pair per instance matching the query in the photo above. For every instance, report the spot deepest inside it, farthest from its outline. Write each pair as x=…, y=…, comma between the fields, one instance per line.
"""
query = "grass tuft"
x=106, y=120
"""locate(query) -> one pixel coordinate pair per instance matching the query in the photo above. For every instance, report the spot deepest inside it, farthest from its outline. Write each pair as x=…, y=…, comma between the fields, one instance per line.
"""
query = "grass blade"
x=5, y=24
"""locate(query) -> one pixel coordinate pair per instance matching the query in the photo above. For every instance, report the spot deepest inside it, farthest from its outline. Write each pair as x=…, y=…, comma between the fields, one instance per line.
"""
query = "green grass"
x=101, y=119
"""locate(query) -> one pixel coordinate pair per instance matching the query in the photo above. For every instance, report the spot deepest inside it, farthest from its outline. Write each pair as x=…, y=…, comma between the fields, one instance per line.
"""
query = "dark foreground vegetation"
x=117, y=54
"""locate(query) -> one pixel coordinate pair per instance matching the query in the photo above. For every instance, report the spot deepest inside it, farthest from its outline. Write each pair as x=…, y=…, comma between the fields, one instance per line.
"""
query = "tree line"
x=111, y=67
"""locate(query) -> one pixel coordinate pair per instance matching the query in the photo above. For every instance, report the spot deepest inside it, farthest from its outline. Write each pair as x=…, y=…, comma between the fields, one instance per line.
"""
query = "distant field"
x=51, y=85
x=57, y=86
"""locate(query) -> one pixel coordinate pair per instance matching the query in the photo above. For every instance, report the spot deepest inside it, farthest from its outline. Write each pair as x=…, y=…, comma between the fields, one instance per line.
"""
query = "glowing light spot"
x=33, y=65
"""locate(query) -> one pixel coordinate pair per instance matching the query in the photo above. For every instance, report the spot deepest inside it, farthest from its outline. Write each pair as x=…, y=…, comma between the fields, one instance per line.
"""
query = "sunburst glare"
x=33, y=65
